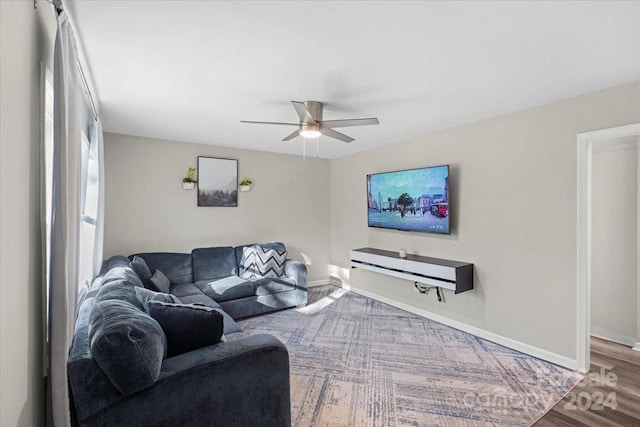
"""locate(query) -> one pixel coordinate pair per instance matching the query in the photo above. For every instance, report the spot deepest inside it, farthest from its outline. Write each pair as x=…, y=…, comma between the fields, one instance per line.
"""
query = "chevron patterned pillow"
x=262, y=262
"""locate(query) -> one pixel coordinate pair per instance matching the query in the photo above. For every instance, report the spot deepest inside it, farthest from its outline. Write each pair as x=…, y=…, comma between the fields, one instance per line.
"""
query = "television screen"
x=410, y=200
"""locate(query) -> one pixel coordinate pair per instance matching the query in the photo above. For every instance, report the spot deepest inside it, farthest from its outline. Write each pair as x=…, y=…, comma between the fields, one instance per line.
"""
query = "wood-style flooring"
x=607, y=357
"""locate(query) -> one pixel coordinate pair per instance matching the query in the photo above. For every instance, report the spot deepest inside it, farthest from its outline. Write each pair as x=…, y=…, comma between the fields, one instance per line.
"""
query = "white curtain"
x=66, y=214
x=97, y=146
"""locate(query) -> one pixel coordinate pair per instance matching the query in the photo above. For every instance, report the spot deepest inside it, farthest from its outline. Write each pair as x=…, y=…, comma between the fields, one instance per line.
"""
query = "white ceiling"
x=191, y=70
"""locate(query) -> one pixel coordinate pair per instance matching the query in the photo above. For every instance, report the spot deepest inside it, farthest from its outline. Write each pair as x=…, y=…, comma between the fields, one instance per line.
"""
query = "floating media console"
x=453, y=275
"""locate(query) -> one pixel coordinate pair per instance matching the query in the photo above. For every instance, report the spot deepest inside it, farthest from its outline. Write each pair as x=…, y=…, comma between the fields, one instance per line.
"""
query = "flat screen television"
x=410, y=200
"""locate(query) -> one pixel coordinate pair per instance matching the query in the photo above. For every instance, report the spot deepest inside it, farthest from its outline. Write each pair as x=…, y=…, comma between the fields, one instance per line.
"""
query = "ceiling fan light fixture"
x=310, y=130
x=311, y=124
x=310, y=133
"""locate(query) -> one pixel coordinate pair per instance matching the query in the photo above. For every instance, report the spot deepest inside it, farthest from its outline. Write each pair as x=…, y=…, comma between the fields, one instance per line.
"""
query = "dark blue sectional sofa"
x=242, y=381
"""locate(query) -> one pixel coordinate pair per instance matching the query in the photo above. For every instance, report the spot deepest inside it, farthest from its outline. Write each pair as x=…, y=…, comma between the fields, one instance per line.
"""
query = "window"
x=88, y=188
x=89, y=210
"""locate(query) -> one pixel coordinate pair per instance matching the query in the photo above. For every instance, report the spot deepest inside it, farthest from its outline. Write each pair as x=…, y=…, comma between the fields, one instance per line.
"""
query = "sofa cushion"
x=127, y=344
x=121, y=273
x=146, y=295
x=90, y=387
x=199, y=298
x=185, y=289
x=230, y=325
x=176, y=266
x=117, y=261
x=213, y=263
x=120, y=290
x=228, y=288
x=259, y=261
x=258, y=304
x=270, y=245
x=270, y=285
x=234, y=336
x=139, y=265
x=161, y=282
x=187, y=326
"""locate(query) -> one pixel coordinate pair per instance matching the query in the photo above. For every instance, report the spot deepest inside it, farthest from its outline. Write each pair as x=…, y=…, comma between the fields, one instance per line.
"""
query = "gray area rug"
x=359, y=362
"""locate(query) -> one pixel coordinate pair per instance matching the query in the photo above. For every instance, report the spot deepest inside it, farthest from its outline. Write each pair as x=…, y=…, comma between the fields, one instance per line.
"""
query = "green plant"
x=191, y=175
x=405, y=200
x=246, y=181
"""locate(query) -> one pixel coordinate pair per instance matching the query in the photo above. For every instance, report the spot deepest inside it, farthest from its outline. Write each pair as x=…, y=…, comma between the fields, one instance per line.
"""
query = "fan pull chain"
x=304, y=148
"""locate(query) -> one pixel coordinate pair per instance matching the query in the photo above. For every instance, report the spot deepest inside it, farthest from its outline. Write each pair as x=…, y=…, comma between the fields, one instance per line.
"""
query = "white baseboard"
x=336, y=281
x=473, y=330
x=613, y=336
x=321, y=282
x=636, y=347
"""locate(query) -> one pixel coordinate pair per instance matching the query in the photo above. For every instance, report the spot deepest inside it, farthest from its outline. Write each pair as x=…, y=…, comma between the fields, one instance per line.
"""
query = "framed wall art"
x=217, y=182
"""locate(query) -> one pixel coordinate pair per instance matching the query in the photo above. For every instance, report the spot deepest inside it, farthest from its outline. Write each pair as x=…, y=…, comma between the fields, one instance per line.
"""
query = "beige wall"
x=146, y=209
x=614, y=236
x=513, y=197
x=26, y=38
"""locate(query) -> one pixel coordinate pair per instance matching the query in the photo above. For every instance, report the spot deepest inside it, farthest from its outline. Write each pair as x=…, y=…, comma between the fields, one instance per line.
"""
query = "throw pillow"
x=160, y=282
x=260, y=261
x=187, y=326
x=141, y=268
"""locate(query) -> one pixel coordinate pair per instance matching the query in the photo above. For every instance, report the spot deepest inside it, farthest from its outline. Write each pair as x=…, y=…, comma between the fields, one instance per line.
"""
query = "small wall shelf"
x=453, y=275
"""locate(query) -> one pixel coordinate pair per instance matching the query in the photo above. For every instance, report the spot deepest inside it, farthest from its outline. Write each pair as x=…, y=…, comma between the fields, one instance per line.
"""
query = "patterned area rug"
x=359, y=362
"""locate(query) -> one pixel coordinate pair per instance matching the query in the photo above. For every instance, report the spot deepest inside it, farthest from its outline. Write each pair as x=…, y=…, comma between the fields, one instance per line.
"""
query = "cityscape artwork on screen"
x=410, y=200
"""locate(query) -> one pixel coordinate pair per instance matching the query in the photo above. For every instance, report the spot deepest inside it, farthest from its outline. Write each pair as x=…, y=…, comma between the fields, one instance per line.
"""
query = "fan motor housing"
x=315, y=108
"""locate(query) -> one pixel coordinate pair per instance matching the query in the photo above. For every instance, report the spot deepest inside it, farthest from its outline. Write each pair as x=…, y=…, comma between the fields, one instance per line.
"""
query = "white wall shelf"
x=453, y=275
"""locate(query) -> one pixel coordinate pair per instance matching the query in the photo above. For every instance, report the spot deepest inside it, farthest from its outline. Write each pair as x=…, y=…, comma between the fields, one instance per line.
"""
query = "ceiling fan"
x=311, y=124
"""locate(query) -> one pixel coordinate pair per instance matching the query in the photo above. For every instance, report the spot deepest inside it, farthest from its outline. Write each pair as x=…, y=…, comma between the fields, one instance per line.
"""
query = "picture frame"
x=217, y=182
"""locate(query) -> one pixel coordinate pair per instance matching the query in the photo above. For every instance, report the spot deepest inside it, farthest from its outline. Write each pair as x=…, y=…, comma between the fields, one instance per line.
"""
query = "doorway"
x=586, y=143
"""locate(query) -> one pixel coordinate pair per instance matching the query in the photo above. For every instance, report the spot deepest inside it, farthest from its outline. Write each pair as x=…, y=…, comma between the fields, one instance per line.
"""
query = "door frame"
x=586, y=142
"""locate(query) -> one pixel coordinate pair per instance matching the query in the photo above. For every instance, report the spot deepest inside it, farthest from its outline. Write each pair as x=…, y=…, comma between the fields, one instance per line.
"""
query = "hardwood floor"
x=607, y=358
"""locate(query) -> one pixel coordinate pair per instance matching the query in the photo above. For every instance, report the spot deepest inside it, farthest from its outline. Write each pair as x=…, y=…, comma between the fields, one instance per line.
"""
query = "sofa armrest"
x=243, y=382
x=297, y=271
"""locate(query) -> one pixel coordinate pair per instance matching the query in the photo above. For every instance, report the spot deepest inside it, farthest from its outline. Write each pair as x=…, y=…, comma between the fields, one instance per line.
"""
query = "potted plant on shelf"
x=245, y=184
x=189, y=181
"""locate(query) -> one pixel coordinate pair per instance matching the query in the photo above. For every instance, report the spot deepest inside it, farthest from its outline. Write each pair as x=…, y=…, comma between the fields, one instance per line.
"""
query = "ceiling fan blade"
x=293, y=135
x=337, y=135
x=350, y=122
x=270, y=123
x=303, y=112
